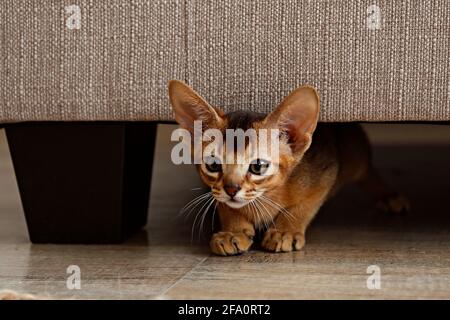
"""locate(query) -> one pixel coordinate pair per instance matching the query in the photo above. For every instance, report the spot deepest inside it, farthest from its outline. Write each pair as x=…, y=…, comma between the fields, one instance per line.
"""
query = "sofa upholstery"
x=236, y=53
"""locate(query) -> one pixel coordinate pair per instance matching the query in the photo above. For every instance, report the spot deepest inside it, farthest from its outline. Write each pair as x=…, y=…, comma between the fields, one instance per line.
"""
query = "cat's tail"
x=357, y=166
x=386, y=198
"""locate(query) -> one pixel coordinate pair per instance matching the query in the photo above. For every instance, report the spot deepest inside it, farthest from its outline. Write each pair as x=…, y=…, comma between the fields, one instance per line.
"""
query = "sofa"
x=84, y=83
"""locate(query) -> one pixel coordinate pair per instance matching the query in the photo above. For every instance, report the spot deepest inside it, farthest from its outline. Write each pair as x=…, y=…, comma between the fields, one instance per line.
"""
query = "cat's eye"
x=259, y=166
x=213, y=164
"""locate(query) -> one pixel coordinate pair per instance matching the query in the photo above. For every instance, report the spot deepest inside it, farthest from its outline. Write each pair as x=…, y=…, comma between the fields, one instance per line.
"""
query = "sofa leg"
x=83, y=182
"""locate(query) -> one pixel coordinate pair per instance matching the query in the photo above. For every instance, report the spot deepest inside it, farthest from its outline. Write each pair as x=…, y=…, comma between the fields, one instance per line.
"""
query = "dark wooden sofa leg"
x=83, y=182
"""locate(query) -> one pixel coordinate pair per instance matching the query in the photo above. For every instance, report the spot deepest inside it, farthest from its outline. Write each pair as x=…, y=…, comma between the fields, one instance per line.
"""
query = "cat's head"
x=259, y=170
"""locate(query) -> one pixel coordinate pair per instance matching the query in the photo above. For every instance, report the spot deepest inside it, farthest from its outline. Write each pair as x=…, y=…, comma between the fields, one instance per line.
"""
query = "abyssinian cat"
x=283, y=194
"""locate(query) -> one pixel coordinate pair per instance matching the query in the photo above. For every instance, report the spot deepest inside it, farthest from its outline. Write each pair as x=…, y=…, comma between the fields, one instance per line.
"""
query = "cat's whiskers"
x=192, y=204
x=213, y=214
x=258, y=213
x=199, y=203
x=263, y=214
x=261, y=221
x=204, y=214
x=286, y=212
x=204, y=201
x=252, y=206
x=250, y=210
x=268, y=215
x=277, y=206
x=199, y=213
x=184, y=209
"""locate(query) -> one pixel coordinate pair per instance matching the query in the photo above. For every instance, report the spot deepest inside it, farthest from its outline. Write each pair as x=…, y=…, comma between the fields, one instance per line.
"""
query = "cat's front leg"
x=236, y=235
x=283, y=241
x=288, y=232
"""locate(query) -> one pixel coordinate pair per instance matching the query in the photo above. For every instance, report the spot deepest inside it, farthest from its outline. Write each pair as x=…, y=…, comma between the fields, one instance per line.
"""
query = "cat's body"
x=308, y=170
x=339, y=154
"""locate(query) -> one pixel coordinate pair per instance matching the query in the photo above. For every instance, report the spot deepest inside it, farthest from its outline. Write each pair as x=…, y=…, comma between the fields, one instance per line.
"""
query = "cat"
x=280, y=195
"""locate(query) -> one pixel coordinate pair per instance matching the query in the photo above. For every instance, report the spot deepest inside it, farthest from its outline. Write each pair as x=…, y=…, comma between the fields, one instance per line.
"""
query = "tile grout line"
x=161, y=295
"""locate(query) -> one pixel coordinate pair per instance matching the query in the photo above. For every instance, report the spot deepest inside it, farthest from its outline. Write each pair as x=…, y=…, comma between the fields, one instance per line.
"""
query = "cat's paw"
x=277, y=241
x=231, y=243
x=395, y=204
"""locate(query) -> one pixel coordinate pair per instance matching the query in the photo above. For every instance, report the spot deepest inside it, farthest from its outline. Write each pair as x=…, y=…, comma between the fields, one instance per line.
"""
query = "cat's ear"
x=189, y=106
x=297, y=117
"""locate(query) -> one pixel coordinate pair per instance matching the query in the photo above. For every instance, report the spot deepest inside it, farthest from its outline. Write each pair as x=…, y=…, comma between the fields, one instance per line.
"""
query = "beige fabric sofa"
x=113, y=60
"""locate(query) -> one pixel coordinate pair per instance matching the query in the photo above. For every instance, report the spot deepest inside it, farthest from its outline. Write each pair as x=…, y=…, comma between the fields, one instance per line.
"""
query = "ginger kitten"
x=279, y=194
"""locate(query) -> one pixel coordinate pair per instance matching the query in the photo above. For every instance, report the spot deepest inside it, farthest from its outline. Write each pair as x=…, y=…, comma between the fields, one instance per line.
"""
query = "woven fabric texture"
x=239, y=54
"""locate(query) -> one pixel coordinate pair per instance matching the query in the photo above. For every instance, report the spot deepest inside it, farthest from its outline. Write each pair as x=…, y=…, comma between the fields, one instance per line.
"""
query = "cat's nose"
x=232, y=189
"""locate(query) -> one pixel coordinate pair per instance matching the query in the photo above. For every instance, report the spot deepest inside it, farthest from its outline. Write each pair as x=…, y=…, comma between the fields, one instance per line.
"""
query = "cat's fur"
x=310, y=170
